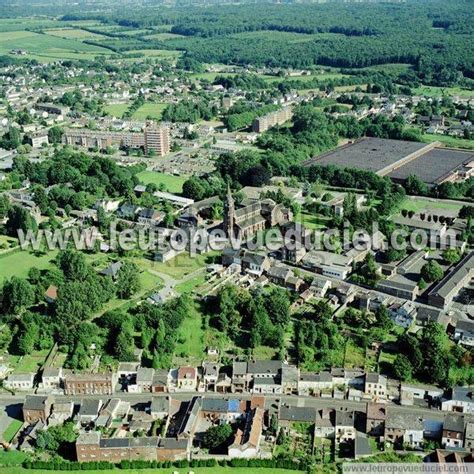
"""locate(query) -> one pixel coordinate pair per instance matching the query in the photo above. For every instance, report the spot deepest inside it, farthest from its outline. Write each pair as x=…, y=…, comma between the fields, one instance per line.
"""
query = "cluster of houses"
x=168, y=428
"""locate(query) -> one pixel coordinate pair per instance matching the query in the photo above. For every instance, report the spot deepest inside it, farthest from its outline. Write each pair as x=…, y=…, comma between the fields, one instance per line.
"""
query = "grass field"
x=18, y=263
x=190, y=344
x=432, y=91
x=426, y=204
x=12, y=430
x=28, y=363
x=310, y=221
x=156, y=53
x=448, y=141
x=174, y=184
x=149, y=110
x=164, y=36
x=74, y=33
x=46, y=48
x=115, y=110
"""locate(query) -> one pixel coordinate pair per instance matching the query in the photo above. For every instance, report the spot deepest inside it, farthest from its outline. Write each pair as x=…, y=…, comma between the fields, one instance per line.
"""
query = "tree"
x=216, y=436
x=277, y=304
x=55, y=135
x=451, y=256
x=17, y=294
x=73, y=264
x=402, y=367
x=19, y=219
x=193, y=189
x=57, y=438
x=5, y=206
x=431, y=271
x=128, y=280
x=383, y=318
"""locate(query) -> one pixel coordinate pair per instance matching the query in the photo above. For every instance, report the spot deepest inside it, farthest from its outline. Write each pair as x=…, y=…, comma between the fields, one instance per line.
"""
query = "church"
x=253, y=216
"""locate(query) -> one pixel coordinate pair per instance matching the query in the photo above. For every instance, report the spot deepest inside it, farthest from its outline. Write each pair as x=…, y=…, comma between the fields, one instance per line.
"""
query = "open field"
x=149, y=110
x=45, y=47
x=73, y=33
x=190, y=344
x=18, y=263
x=163, y=36
x=115, y=110
x=174, y=184
x=448, y=141
x=429, y=204
x=432, y=91
x=156, y=53
x=180, y=266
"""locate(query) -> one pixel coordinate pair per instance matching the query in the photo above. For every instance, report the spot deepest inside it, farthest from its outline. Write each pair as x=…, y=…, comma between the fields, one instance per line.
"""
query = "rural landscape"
x=236, y=237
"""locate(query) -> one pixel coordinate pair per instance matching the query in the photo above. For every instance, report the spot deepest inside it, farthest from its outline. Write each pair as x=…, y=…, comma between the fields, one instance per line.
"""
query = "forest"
x=433, y=36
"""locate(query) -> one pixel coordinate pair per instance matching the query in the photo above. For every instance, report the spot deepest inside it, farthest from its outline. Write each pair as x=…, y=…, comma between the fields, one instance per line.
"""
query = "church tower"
x=229, y=214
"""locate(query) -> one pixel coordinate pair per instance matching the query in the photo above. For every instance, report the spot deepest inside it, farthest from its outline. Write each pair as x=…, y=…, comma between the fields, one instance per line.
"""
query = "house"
x=89, y=384
x=112, y=270
x=324, y=426
x=246, y=442
x=160, y=407
x=254, y=263
x=464, y=333
x=144, y=379
x=51, y=378
x=375, y=385
x=288, y=414
x=376, y=414
x=461, y=400
x=453, y=431
x=37, y=408
x=160, y=381
x=61, y=412
x=89, y=410
x=279, y=274
x=345, y=428
x=267, y=385
x=51, y=294
x=289, y=379
x=19, y=381
x=264, y=369
x=403, y=314
x=328, y=264
x=239, y=376
x=210, y=375
x=150, y=217
x=469, y=436
x=187, y=379
x=400, y=429
x=162, y=296
x=310, y=383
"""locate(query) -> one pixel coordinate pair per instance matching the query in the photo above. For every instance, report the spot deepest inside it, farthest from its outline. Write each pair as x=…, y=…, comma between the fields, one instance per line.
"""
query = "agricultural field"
x=45, y=47
x=163, y=36
x=12, y=430
x=74, y=33
x=173, y=184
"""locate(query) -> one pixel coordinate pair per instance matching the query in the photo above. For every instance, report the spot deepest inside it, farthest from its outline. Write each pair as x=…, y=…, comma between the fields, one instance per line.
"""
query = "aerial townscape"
x=236, y=237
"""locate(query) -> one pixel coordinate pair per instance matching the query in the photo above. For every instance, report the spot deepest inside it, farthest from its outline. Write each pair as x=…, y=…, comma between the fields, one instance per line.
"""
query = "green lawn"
x=149, y=110
x=190, y=344
x=30, y=362
x=12, y=457
x=433, y=205
x=74, y=33
x=448, y=141
x=180, y=266
x=191, y=285
x=11, y=431
x=173, y=184
x=310, y=221
x=18, y=263
x=115, y=110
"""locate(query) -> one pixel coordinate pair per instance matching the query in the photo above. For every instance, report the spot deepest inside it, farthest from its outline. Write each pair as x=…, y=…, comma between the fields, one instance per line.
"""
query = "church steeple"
x=229, y=213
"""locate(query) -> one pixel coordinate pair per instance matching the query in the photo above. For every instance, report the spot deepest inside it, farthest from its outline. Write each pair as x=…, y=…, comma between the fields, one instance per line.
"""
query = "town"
x=213, y=263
